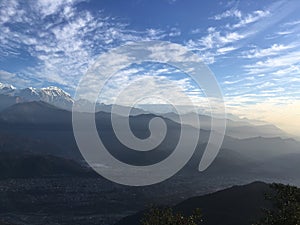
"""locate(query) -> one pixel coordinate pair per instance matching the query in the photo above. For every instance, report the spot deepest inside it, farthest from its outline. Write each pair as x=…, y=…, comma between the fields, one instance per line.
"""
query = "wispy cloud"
x=216, y=39
x=232, y=34
x=274, y=63
x=275, y=49
x=226, y=49
x=228, y=13
x=63, y=40
x=292, y=23
x=4, y=75
x=174, y=32
x=251, y=18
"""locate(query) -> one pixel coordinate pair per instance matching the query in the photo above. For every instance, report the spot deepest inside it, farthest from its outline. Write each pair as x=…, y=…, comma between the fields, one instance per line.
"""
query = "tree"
x=286, y=202
x=166, y=216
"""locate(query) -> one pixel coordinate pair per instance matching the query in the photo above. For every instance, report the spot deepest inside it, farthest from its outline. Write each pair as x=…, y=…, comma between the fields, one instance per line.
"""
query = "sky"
x=252, y=47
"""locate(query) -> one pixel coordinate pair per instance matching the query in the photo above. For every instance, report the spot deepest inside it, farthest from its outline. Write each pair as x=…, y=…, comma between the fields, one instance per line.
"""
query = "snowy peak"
x=6, y=89
x=55, y=90
x=52, y=95
x=6, y=86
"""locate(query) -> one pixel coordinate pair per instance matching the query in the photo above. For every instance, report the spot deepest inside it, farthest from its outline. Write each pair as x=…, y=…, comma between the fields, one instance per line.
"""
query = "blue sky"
x=252, y=47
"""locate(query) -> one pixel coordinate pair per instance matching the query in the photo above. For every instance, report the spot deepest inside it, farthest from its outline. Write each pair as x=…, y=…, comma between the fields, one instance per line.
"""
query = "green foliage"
x=166, y=216
x=287, y=206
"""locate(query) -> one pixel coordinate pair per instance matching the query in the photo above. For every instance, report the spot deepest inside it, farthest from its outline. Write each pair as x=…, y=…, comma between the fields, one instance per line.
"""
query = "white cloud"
x=4, y=75
x=230, y=82
x=216, y=38
x=292, y=23
x=274, y=63
x=228, y=13
x=10, y=10
x=13, y=79
x=226, y=50
x=251, y=18
x=291, y=70
x=286, y=32
x=151, y=82
x=174, y=32
x=275, y=49
x=48, y=7
x=65, y=46
x=196, y=31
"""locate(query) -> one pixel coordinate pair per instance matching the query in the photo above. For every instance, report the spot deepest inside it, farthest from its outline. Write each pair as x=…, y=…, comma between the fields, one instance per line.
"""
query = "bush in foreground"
x=166, y=216
x=287, y=206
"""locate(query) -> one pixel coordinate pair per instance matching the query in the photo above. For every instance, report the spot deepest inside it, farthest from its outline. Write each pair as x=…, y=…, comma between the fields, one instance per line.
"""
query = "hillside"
x=33, y=166
x=239, y=205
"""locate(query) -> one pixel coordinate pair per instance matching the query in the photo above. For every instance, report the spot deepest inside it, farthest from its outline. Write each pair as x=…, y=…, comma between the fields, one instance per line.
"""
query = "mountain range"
x=236, y=127
x=35, y=124
x=52, y=95
x=41, y=128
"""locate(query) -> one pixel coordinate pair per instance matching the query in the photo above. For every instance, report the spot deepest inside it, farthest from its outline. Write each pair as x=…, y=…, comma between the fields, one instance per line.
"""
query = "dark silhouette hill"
x=36, y=112
x=239, y=205
x=36, y=166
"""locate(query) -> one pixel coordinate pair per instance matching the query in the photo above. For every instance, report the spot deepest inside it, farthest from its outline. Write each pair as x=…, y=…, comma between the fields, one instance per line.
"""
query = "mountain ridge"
x=239, y=204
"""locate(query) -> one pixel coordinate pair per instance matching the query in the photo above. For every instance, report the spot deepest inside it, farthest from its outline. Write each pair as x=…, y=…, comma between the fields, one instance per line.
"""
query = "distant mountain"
x=83, y=104
x=42, y=121
x=228, y=162
x=266, y=130
x=51, y=95
x=261, y=148
x=7, y=101
x=286, y=165
x=234, y=206
x=236, y=128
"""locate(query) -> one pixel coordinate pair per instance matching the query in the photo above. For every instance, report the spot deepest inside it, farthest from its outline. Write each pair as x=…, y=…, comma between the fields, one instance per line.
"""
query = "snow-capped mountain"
x=51, y=95
x=6, y=89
